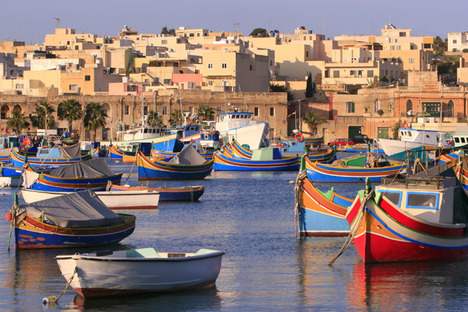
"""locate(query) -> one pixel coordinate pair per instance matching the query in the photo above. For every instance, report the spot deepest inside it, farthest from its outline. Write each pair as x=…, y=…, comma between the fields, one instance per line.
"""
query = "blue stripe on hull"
x=149, y=174
x=179, y=196
x=223, y=167
x=45, y=240
x=318, y=177
x=311, y=222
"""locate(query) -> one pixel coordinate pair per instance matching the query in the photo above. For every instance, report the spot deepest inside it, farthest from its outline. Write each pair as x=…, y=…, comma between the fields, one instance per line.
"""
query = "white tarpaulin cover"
x=79, y=209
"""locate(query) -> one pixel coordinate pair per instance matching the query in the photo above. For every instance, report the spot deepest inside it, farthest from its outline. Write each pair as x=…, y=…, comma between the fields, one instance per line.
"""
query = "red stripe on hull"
x=375, y=248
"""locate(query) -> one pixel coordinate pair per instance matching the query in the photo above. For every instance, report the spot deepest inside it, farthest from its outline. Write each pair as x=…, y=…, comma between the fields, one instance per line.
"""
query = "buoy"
x=8, y=216
x=48, y=300
x=299, y=137
x=405, y=125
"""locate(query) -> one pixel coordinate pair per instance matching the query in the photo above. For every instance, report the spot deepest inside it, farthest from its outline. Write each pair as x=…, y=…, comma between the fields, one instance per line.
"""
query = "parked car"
x=361, y=138
x=341, y=142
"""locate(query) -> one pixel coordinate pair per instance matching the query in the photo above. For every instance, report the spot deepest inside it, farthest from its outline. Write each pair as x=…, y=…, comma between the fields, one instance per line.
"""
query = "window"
x=72, y=87
x=307, y=54
x=450, y=112
x=145, y=110
x=455, y=41
x=272, y=111
x=411, y=60
x=394, y=197
x=126, y=110
x=350, y=107
x=164, y=41
x=409, y=107
x=425, y=201
x=224, y=65
x=402, y=34
x=351, y=72
x=255, y=111
x=164, y=110
x=250, y=67
x=336, y=74
x=167, y=81
x=87, y=78
x=210, y=65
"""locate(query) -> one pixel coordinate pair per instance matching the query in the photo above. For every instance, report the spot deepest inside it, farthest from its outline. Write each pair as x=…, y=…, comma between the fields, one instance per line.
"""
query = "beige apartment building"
x=233, y=71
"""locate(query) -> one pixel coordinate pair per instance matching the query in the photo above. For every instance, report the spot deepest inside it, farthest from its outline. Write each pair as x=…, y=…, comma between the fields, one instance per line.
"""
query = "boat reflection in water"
x=406, y=286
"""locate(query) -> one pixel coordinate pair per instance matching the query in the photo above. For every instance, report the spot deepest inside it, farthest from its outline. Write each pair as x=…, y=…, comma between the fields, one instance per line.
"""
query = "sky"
x=31, y=20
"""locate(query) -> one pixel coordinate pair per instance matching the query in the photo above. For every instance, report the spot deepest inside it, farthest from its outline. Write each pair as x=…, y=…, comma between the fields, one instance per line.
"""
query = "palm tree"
x=71, y=110
x=42, y=114
x=17, y=122
x=176, y=117
x=312, y=120
x=154, y=119
x=95, y=117
x=205, y=112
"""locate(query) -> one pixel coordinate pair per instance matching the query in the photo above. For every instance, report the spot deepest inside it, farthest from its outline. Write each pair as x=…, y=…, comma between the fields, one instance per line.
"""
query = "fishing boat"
x=240, y=126
x=184, y=193
x=411, y=139
x=363, y=148
x=114, y=152
x=93, y=173
x=320, y=213
x=99, y=152
x=188, y=164
x=78, y=219
x=141, y=199
x=143, y=270
x=235, y=157
x=346, y=170
x=204, y=152
x=422, y=217
x=50, y=156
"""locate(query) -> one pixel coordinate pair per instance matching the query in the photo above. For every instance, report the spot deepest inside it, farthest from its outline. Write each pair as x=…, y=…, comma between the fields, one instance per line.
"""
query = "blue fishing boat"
x=93, y=173
x=73, y=220
x=186, y=165
x=237, y=158
x=340, y=171
x=320, y=213
x=51, y=156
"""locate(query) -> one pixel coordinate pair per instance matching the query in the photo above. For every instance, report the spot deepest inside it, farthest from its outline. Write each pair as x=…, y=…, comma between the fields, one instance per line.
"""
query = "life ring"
x=299, y=137
x=189, y=122
x=405, y=125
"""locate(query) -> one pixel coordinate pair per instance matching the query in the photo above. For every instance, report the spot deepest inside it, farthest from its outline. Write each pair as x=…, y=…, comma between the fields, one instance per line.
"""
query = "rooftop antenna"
x=236, y=27
x=57, y=20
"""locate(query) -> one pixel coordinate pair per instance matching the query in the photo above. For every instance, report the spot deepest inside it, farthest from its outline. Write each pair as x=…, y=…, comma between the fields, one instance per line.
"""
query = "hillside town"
x=301, y=81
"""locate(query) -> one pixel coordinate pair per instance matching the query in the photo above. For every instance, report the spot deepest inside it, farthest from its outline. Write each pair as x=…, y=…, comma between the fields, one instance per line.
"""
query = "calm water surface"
x=248, y=215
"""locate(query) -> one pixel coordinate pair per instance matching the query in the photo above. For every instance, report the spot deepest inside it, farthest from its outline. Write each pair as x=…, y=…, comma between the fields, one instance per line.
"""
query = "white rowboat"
x=112, y=199
x=139, y=271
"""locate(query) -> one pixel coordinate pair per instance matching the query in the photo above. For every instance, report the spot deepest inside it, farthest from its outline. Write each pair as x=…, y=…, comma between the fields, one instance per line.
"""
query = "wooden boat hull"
x=100, y=276
x=387, y=234
x=114, y=152
x=318, y=172
x=112, y=199
x=321, y=213
x=31, y=233
x=55, y=184
x=153, y=169
x=18, y=160
x=187, y=193
x=228, y=163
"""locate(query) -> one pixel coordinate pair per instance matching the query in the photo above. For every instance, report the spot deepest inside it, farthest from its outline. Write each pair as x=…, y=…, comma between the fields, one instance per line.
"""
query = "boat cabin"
x=232, y=120
x=425, y=137
x=141, y=133
x=429, y=199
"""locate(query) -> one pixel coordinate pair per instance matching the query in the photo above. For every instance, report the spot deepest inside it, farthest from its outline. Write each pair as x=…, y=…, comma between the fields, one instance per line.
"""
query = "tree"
x=396, y=128
x=167, y=31
x=259, y=32
x=153, y=119
x=440, y=45
x=312, y=121
x=70, y=110
x=94, y=117
x=205, y=112
x=176, y=117
x=42, y=113
x=310, y=87
x=17, y=122
x=278, y=88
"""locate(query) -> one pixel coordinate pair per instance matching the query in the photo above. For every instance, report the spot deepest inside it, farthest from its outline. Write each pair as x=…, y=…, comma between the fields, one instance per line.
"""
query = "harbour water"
x=249, y=216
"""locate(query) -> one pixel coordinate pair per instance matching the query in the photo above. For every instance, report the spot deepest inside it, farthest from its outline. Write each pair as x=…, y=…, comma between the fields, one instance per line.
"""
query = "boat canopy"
x=188, y=156
x=79, y=209
x=92, y=168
